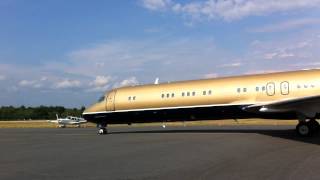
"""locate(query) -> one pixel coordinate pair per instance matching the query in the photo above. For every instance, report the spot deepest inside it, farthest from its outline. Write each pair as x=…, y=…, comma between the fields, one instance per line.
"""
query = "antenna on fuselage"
x=156, y=81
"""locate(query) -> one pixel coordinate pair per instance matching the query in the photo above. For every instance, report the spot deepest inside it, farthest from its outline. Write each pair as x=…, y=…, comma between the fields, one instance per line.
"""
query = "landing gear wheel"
x=102, y=131
x=304, y=129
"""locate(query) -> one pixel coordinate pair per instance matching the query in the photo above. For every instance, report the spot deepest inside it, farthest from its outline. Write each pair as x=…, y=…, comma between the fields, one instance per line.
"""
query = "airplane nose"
x=94, y=108
x=87, y=110
x=90, y=112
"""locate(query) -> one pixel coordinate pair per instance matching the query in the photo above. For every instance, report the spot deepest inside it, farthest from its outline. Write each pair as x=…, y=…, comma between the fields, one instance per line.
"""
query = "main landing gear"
x=307, y=128
x=102, y=129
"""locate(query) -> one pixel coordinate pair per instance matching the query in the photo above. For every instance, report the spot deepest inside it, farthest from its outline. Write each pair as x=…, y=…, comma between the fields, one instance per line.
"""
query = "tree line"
x=37, y=113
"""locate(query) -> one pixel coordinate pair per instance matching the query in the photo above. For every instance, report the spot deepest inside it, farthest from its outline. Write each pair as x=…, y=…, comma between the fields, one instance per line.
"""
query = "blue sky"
x=70, y=52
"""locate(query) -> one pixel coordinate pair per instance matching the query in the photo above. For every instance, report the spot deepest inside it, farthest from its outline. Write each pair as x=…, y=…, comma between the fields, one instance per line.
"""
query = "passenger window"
x=172, y=95
x=188, y=93
x=168, y=95
x=263, y=88
x=129, y=98
x=257, y=89
x=183, y=94
x=134, y=98
x=162, y=95
x=239, y=90
x=244, y=89
x=210, y=92
x=193, y=93
x=204, y=93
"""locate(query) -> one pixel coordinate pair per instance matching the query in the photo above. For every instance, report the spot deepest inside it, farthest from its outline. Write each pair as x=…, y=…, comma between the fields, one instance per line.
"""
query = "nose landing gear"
x=102, y=129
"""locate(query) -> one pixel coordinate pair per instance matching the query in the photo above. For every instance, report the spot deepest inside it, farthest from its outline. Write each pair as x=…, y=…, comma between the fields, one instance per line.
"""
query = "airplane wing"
x=73, y=122
x=77, y=122
x=308, y=106
x=53, y=121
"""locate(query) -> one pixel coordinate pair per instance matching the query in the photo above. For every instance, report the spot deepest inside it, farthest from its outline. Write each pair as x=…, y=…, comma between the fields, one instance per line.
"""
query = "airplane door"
x=284, y=86
x=110, y=101
x=271, y=90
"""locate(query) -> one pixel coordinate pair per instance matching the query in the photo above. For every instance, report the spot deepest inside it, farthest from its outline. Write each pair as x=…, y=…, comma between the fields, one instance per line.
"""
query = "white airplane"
x=69, y=120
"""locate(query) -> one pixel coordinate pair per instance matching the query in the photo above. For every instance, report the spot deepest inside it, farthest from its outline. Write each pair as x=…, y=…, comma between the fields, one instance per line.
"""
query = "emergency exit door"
x=271, y=89
x=284, y=86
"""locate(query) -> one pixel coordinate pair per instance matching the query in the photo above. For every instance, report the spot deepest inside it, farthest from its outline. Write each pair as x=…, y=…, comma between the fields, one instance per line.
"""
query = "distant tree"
x=37, y=113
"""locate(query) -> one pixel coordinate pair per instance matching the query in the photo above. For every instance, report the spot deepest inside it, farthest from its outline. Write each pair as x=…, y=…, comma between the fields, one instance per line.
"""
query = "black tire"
x=305, y=129
x=102, y=131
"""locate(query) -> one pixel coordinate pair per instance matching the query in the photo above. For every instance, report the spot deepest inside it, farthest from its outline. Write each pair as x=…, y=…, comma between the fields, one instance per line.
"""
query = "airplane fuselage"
x=219, y=98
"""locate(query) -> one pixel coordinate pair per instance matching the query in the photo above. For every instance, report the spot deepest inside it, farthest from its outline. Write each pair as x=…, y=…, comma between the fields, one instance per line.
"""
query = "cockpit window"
x=101, y=99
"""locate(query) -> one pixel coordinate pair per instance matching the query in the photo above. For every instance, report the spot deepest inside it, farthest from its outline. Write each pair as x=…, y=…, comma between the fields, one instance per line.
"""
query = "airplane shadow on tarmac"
x=288, y=134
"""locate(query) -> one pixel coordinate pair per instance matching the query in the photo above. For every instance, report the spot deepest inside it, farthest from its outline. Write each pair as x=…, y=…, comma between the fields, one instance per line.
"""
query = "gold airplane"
x=283, y=95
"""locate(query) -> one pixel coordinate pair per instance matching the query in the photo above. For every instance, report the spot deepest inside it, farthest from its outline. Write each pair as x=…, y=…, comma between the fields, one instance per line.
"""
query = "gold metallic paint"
x=224, y=91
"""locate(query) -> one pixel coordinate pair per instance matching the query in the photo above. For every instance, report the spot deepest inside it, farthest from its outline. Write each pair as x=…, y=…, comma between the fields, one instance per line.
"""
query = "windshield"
x=101, y=99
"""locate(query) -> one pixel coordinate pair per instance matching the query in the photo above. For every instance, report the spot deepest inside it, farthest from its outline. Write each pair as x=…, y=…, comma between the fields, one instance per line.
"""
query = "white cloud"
x=26, y=83
x=303, y=64
x=292, y=52
x=270, y=55
x=235, y=64
x=147, y=59
x=101, y=81
x=156, y=4
x=290, y=24
x=285, y=55
x=170, y=59
x=65, y=84
x=30, y=83
x=44, y=78
x=143, y=59
x=210, y=75
x=286, y=50
x=278, y=55
x=100, y=84
x=131, y=81
x=38, y=83
x=250, y=72
x=231, y=9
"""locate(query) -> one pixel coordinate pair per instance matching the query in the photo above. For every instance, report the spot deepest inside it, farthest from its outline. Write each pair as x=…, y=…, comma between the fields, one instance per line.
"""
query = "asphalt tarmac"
x=230, y=152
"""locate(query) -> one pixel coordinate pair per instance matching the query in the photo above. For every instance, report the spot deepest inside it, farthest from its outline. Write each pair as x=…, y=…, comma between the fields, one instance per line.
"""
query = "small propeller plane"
x=69, y=120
